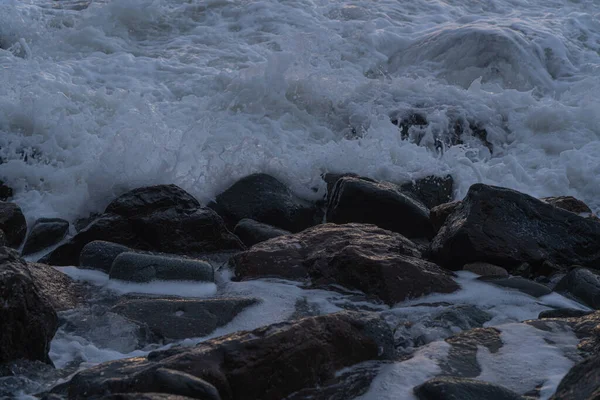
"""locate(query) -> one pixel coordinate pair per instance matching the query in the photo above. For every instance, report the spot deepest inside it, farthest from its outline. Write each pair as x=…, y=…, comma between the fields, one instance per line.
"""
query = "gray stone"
x=45, y=233
x=452, y=388
x=583, y=284
x=182, y=318
x=12, y=222
x=462, y=356
x=521, y=284
x=136, y=267
x=252, y=232
x=582, y=382
x=564, y=313
x=486, y=269
x=100, y=255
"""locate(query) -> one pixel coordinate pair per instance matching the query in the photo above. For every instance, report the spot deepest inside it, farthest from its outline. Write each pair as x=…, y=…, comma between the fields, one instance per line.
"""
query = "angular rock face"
x=449, y=388
x=485, y=269
x=45, y=233
x=252, y=232
x=135, y=267
x=357, y=256
x=166, y=221
x=508, y=228
x=381, y=204
x=12, y=222
x=440, y=214
x=181, y=319
x=583, y=284
x=27, y=320
x=582, y=382
x=268, y=363
x=265, y=199
x=568, y=203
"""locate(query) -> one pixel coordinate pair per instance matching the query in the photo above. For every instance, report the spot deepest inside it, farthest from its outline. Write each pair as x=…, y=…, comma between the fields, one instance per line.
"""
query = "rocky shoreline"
x=378, y=243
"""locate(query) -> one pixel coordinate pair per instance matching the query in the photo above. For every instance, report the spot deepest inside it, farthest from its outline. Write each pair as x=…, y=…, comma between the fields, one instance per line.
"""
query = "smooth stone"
x=136, y=267
x=564, y=313
x=521, y=284
x=100, y=255
x=252, y=232
x=486, y=269
x=145, y=200
x=452, y=388
x=45, y=233
x=582, y=283
x=13, y=224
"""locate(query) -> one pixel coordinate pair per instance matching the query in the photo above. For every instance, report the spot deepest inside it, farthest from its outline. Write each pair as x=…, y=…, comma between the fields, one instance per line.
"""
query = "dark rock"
x=486, y=269
x=451, y=388
x=100, y=255
x=265, y=199
x=26, y=376
x=508, y=228
x=440, y=214
x=407, y=122
x=145, y=200
x=462, y=356
x=45, y=233
x=582, y=382
x=252, y=232
x=563, y=313
x=357, y=256
x=2, y=238
x=12, y=222
x=182, y=318
x=568, y=203
x=381, y=204
x=521, y=284
x=331, y=179
x=145, y=396
x=431, y=190
x=6, y=191
x=61, y=291
x=183, y=384
x=268, y=363
x=583, y=284
x=84, y=222
x=136, y=267
x=27, y=321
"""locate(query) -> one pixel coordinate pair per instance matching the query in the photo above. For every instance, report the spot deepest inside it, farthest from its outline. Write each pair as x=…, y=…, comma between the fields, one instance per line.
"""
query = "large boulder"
x=62, y=292
x=136, y=267
x=27, y=320
x=12, y=222
x=145, y=200
x=251, y=232
x=508, y=228
x=45, y=232
x=583, y=284
x=182, y=318
x=265, y=199
x=269, y=363
x=451, y=388
x=431, y=190
x=582, y=382
x=439, y=214
x=521, y=284
x=358, y=256
x=100, y=255
x=381, y=204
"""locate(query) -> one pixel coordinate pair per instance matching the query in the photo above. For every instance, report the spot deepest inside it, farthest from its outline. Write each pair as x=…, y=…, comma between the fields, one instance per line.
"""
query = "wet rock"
x=6, y=191
x=136, y=267
x=45, y=233
x=521, y=284
x=583, y=284
x=451, y=388
x=183, y=384
x=84, y=222
x=406, y=122
x=381, y=204
x=26, y=376
x=265, y=199
x=357, y=256
x=462, y=356
x=486, y=269
x=563, y=313
x=508, y=228
x=27, y=320
x=2, y=238
x=145, y=396
x=431, y=190
x=182, y=318
x=145, y=200
x=61, y=291
x=439, y=214
x=252, y=232
x=13, y=224
x=100, y=255
x=568, y=203
x=331, y=179
x=582, y=382
x=268, y=363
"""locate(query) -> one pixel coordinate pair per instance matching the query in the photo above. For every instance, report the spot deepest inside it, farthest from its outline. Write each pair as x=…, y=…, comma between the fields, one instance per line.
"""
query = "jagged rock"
x=265, y=199
x=508, y=228
x=61, y=291
x=100, y=255
x=582, y=382
x=45, y=233
x=268, y=363
x=452, y=388
x=439, y=214
x=521, y=284
x=583, y=284
x=563, y=313
x=252, y=232
x=381, y=204
x=182, y=318
x=6, y=191
x=486, y=269
x=136, y=267
x=358, y=256
x=145, y=200
x=13, y=224
x=568, y=203
x=431, y=190
x=27, y=320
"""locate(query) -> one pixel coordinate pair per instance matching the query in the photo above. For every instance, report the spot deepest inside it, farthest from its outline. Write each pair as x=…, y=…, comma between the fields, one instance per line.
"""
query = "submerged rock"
x=358, y=256
x=523, y=285
x=100, y=255
x=269, y=363
x=564, y=313
x=486, y=269
x=6, y=191
x=451, y=388
x=136, y=267
x=252, y=232
x=265, y=199
x=45, y=233
x=27, y=320
x=381, y=204
x=508, y=228
x=182, y=318
x=583, y=284
x=13, y=224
